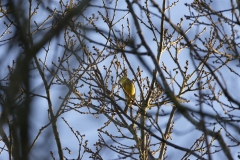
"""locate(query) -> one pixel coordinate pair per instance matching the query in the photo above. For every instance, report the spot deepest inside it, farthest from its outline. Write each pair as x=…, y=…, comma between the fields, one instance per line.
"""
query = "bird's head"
x=123, y=79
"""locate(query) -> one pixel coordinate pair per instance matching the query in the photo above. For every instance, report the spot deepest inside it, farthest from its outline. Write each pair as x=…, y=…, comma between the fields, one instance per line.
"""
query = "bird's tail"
x=128, y=105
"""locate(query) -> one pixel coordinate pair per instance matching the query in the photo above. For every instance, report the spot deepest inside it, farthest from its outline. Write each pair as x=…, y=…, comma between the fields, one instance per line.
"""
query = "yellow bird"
x=129, y=91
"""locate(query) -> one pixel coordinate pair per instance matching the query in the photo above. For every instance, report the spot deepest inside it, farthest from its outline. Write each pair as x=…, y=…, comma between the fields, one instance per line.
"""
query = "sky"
x=88, y=124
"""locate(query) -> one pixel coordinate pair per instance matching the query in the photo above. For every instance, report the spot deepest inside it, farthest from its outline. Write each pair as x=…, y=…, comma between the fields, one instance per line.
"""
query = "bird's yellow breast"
x=128, y=87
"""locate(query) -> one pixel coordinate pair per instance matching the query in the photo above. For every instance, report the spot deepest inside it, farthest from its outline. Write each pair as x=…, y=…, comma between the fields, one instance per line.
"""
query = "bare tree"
x=60, y=68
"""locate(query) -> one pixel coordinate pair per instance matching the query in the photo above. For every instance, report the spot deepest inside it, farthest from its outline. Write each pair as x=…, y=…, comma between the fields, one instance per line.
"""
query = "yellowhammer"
x=129, y=90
